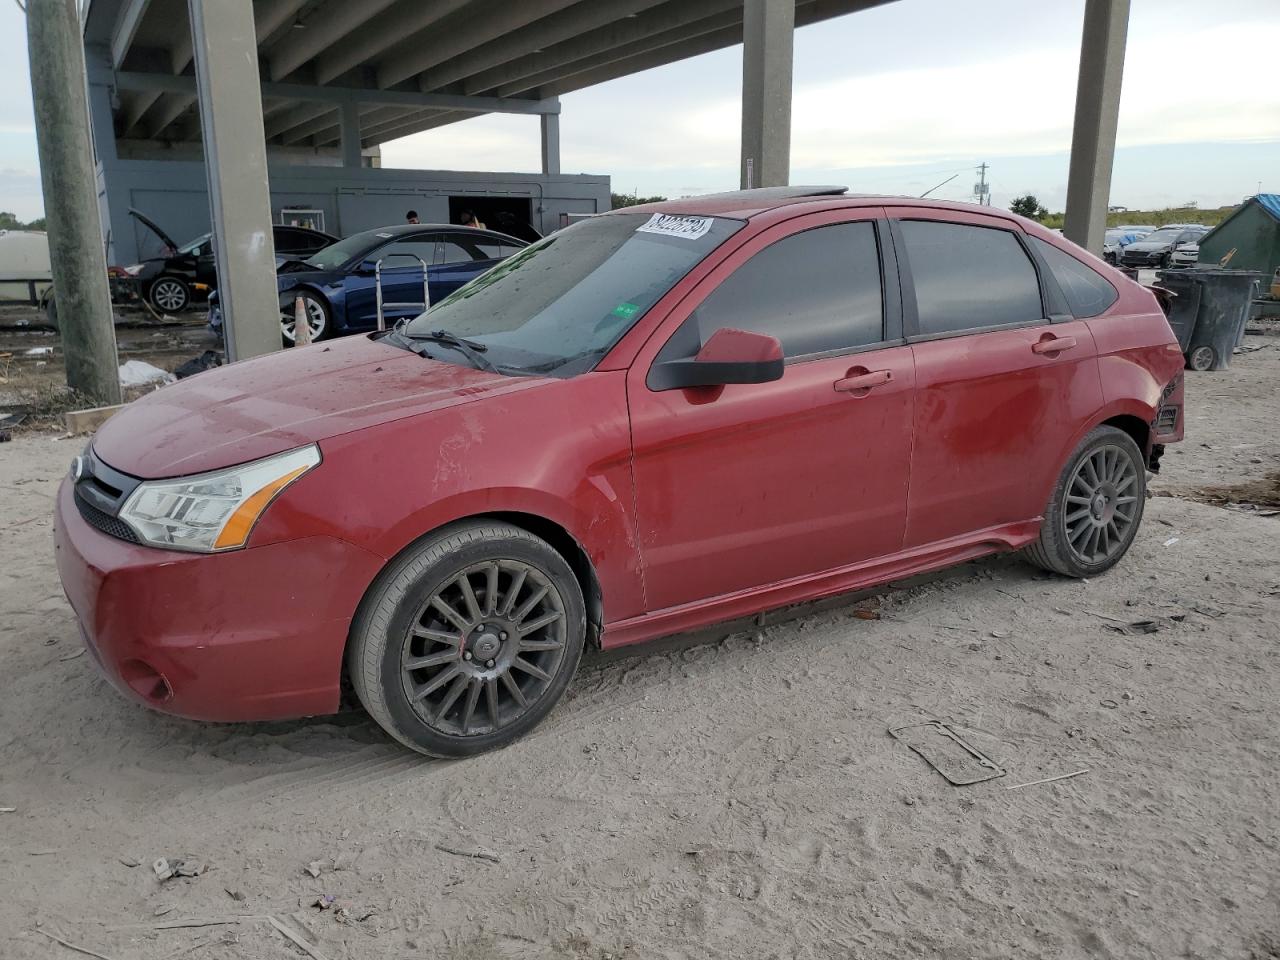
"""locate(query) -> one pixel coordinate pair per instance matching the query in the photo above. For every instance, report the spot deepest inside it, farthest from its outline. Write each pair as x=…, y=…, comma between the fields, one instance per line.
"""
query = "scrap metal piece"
x=947, y=752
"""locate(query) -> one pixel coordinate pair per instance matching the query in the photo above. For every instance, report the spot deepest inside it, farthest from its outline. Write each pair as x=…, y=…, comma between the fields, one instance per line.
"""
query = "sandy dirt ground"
x=730, y=796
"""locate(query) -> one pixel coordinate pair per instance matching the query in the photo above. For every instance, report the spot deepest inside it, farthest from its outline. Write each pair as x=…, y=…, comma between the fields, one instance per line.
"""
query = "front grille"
x=104, y=522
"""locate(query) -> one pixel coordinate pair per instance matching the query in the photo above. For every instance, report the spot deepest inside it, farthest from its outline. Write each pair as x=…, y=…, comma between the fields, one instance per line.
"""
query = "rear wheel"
x=468, y=641
x=169, y=295
x=1096, y=506
x=1201, y=358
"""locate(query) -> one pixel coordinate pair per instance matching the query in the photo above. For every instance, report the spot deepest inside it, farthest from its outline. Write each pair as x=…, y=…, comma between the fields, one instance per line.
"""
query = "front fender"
x=559, y=451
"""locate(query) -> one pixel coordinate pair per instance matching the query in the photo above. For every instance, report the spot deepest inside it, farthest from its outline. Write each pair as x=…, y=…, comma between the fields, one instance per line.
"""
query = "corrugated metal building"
x=1253, y=231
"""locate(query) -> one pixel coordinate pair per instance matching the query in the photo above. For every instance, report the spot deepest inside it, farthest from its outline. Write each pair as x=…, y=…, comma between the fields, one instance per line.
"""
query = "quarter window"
x=816, y=291
x=1088, y=293
x=969, y=277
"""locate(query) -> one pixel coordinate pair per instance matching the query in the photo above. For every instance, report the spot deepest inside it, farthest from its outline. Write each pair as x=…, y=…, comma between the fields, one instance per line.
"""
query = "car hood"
x=259, y=407
x=1148, y=246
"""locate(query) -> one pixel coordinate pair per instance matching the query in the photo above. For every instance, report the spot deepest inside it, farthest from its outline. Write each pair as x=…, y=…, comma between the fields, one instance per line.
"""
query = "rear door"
x=746, y=485
x=1005, y=377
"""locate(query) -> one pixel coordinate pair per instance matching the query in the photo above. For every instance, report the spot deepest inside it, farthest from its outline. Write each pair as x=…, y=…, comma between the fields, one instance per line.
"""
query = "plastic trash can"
x=1209, y=312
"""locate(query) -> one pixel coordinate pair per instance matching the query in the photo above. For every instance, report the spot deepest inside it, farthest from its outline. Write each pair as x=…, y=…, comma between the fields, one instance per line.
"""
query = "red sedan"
x=654, y=420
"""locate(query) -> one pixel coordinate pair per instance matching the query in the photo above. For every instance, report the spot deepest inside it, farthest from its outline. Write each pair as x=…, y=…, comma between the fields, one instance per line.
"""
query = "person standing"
x=412, y=217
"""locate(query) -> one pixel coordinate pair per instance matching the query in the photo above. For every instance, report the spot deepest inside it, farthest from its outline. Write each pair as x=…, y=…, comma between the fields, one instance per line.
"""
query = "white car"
x=24, y=266
x=1185, y=255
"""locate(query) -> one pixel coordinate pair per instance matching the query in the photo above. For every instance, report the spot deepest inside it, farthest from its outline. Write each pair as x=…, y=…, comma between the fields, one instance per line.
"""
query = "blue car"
x=337, y=283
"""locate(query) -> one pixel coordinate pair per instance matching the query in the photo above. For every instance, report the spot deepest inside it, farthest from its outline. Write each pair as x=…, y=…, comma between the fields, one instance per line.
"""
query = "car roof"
x=745, y=204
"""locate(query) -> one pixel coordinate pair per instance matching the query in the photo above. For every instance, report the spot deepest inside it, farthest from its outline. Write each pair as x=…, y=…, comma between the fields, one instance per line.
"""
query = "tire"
x=318, y=311
x=169, y=294
x=465, y=692
x=1201, y=358
x=1068, y=544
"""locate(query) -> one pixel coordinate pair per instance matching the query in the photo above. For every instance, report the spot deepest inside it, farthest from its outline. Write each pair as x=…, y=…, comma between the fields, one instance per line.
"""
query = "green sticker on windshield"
x=626, y=310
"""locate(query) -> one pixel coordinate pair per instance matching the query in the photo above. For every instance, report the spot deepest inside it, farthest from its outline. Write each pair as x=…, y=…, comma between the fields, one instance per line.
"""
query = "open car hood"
x=150, y=224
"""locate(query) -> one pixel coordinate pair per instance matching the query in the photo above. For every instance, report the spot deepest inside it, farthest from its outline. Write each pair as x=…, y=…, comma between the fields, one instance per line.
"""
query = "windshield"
x=1163, y=235
x=557, y=306
x=194, y=246
x=335, y=255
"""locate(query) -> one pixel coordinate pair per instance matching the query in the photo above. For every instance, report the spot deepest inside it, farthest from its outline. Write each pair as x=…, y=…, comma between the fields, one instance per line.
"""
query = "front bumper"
x=1142, y=259
x=254, y=634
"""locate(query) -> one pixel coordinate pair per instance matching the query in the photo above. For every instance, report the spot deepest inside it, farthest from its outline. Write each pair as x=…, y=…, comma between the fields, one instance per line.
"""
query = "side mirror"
x=730, y=356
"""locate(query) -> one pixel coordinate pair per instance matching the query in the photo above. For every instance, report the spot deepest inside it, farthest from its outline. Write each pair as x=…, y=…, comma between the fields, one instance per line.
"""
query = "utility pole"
x=76, y=254
x=980, y=188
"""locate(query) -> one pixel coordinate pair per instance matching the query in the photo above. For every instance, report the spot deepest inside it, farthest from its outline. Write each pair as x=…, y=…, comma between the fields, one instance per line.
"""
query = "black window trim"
x=1052, y=302
x=890, y=293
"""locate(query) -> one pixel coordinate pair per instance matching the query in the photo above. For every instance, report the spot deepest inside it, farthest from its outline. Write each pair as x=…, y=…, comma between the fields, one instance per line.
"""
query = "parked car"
x=1156, y=249
x=337, y=285
x=1116, y=239
x=653, y=420
x=174, y=278
x=1185, y=255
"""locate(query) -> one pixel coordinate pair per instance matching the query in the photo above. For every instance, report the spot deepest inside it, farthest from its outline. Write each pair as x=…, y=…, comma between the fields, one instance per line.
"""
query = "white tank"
x=24, y=255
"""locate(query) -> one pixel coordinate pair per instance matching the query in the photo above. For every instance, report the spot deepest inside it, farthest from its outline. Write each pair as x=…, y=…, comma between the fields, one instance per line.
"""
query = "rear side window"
x=816, y=291
x=969, y=277
x=1088, y=293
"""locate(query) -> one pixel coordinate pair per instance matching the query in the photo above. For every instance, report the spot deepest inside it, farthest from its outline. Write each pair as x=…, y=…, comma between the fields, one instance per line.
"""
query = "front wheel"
x=169, y=295
x=1096, y=506
x=318, y=318
x=468, y=640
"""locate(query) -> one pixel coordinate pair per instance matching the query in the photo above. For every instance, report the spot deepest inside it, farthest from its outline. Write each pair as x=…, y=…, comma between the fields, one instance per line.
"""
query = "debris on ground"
x=206, y=361
x=1032, y=783
x=947, y=752
x=138, y=373
x=166, y=868
x=478, y=853
x=314, y=868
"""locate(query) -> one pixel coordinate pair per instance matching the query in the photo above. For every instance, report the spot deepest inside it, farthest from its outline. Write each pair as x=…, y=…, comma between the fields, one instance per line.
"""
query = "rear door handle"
x=862, y=382
x=1051, y=344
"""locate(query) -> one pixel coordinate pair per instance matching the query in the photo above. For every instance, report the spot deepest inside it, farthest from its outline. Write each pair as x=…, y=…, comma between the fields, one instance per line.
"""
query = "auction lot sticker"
x=687, y=228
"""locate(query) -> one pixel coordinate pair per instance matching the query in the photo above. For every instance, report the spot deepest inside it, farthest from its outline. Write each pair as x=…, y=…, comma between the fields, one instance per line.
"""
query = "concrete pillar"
x=351, y=156
x=767, y=29
x=83, y=299
x=235, y=159
x=1093, y=141
x=550, y=143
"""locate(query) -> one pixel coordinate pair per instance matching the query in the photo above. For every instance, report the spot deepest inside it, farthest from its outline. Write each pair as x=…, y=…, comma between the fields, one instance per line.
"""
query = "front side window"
x=968, y=278
x=557, y=306
x=816, y=292
x=1088, y=293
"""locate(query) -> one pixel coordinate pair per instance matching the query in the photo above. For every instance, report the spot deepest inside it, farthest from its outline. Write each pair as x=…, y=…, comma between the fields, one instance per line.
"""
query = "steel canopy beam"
x=547, y=32
x=406, y=18
x=126, y=29
x=127, y=80
x=333, y=24
x=580, y=45
x=418, y=54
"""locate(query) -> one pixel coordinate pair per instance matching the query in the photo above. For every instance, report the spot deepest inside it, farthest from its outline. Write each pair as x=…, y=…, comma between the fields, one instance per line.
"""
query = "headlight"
x=215, y=511
x=134, y=269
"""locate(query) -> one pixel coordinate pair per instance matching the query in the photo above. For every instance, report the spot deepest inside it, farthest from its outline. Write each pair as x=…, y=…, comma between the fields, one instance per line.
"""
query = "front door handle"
x=860, y=382
x=1049, y=344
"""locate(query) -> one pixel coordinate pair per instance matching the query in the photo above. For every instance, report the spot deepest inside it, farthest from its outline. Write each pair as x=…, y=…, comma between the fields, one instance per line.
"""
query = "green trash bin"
x=1209, y=313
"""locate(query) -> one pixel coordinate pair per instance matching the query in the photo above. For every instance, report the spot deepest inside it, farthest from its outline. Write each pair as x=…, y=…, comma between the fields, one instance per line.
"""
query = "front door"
x=1001, y=390
x=746, y=485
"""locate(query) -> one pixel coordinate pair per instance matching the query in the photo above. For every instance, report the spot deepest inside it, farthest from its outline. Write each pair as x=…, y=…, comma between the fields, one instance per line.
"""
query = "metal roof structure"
x=411, y=65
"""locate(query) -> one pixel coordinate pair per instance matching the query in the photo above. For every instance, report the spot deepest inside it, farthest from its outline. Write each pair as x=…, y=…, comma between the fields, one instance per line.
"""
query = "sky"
x=888, y=100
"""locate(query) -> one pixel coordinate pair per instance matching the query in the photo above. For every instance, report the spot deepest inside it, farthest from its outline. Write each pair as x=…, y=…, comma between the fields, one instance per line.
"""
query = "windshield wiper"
x=473, y=350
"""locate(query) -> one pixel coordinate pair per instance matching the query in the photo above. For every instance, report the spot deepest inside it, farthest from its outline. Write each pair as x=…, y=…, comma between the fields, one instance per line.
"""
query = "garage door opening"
x=509, y=215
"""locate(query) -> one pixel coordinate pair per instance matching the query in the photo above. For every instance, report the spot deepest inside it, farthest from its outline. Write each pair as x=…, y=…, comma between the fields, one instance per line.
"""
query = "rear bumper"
x=254, y=634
